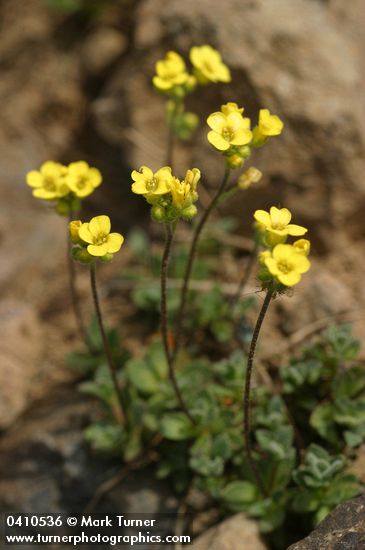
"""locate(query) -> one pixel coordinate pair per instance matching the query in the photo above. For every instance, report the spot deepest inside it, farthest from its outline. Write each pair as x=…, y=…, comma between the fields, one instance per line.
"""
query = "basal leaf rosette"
x=93, y=240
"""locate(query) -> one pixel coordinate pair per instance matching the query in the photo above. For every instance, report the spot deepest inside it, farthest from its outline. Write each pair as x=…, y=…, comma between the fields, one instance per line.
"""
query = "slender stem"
x=246, y=397
x=73, y=292
x=164, y=330
x=245, y=277
x=119, y=412
x=171, y=133
x=191, y=258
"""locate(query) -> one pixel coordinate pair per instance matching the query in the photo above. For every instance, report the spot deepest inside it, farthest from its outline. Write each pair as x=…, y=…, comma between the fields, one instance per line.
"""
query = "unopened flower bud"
x=252, y=175
x=235, y=161
x=107, y=258
x=74, y=227
x=81, y=255
x=158, y=213
x=189, y=212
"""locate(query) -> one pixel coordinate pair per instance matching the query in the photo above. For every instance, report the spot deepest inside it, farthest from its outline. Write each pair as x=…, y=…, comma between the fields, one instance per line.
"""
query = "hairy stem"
x=245, y=277
x=119, y=412
x=190, y=262
x=73, y=292
x=164, y=329
x=247, y=392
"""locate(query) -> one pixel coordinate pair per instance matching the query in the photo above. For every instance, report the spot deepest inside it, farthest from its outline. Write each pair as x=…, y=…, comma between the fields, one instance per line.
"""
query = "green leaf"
x=238, y=494
x=349, y=383
x=105, y=438
x=322, y=420
x=176, y=426
x=142, y=376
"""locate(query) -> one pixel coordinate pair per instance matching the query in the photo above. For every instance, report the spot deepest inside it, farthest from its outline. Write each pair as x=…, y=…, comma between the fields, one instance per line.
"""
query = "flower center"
x=227, y=134
x=49, y=184
x=151, y=185
x=101, y=239
x=81, y=182
x=285, y=266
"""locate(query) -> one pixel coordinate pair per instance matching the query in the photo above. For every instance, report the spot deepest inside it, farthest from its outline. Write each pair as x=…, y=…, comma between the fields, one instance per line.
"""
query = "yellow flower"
x=149, y=184
x=228, y=130
x=49, y=182
x=269, y=125
x=252, y=175
x=97, y=235
x=231, y=107
x=303, y=246
x=287, y=264
x=82, y=179
x=278, y=222
x=171, y=72
x=184, y=193
x=208, y=65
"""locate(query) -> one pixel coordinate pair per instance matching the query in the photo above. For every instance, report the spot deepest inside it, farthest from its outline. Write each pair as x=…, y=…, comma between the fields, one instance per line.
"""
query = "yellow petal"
x=289, y=279
x=301, y=262
x=95, y=177
x=84, y=233
x=280, y=216
x=263, y=217
x=34, y=179
x=41, y=193
x=98, y=249
x=296, y=230
x=114, y=242
x=218, y=141
x=139, y=187
x=85, y=191
x=283, y=251
x=272, y=266
x=217, y=121
x=241, y=137
x=100, y=225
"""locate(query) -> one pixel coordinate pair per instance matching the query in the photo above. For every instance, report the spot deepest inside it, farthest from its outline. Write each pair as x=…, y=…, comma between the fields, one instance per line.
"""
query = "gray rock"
x=343, y=529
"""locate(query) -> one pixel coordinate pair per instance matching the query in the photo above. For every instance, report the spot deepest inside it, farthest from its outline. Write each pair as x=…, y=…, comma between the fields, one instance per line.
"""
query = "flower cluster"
x=173, y=79
x=64, y=185
x=172, y=76
x=93, y=240
x=282, y=264
x=231, y=132
x=170, y=198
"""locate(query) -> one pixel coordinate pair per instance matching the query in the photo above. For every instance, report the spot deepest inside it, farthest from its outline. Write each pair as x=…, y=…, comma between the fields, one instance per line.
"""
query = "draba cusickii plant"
x=274, y=443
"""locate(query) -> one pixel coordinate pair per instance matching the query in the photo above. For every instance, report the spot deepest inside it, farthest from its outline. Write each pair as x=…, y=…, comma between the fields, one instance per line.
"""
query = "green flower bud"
x=107, y=258
x=158, y=213
x=235, y=161
x=244, y=151
x=63, y=207
x=81, y=255
x=189, y=212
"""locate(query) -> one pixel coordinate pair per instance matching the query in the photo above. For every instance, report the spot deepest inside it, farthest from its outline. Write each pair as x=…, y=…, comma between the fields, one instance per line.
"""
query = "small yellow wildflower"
x=100, y=241
x=286, y=264
x=171, y=72
x=82, y=179
x=231, y=107
x=278, y=222
x=149, y=184
x=184, y=193
x=227, y=130
x=269, y=125
x=252, y=175
x=49, y=182
x=208, y=65
x=303, y=246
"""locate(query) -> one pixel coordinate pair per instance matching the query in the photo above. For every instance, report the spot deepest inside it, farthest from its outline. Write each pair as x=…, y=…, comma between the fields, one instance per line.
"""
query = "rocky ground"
x=72, y=87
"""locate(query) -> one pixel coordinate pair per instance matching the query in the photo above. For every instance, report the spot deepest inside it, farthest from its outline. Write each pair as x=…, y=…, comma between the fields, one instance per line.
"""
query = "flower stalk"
x=120, y=409
x=247, y=392
x=170, y=229
x=190, y=262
